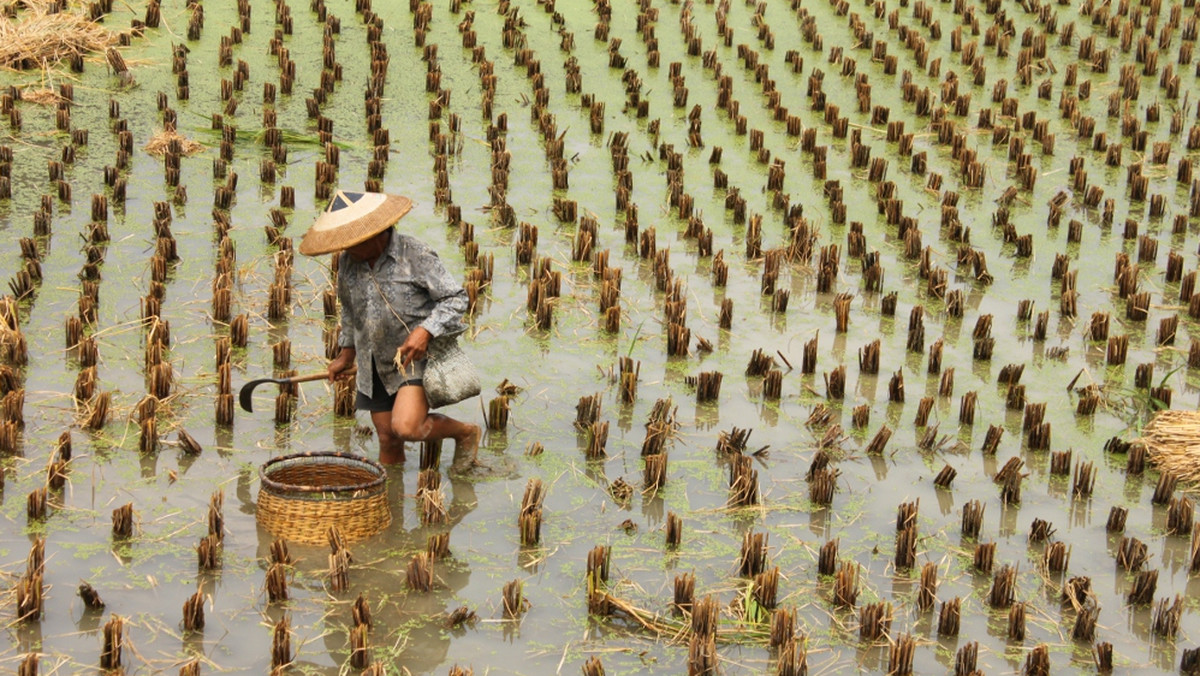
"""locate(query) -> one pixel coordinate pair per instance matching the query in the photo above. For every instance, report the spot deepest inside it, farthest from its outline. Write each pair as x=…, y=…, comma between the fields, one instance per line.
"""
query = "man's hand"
x=414, y=347
x=343, y=361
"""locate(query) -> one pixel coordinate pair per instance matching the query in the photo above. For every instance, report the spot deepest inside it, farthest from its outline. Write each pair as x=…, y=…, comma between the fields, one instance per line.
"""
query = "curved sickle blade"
x=244, y=396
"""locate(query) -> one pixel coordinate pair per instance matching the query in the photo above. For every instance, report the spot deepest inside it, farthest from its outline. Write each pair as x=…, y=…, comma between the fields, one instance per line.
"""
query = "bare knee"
x=391, y=447
x=410, y=419
x=383, y=430
x=387, y=438
x=409, y=428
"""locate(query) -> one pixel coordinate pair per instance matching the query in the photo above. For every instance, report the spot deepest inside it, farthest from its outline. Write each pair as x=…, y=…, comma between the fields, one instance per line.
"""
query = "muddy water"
x=147, y=579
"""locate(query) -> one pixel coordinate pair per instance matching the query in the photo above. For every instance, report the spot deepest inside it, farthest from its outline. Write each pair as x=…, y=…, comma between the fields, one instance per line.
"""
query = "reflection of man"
x=428, y=641
x=396, y=296
x=419, y=617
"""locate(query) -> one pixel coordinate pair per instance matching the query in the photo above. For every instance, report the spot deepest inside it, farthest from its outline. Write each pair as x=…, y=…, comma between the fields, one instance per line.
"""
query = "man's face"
x=370, y=249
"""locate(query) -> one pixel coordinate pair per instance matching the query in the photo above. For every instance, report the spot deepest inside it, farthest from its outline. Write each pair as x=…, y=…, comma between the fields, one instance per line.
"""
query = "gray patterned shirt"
x=420, y=292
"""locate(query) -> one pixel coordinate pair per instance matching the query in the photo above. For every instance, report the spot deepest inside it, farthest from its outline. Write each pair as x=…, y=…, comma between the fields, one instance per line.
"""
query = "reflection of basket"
x=302, y=495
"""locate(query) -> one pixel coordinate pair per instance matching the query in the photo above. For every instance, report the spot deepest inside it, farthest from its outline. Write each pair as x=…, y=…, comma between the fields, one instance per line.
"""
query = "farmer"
x=396, y=296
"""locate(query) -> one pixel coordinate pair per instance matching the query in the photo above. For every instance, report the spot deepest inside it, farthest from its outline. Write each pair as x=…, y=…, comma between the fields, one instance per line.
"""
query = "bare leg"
x=391, y=447
x=412, y=421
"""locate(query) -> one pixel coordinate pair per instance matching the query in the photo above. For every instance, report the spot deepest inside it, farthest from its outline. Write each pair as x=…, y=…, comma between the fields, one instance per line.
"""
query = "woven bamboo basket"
x=303, y=494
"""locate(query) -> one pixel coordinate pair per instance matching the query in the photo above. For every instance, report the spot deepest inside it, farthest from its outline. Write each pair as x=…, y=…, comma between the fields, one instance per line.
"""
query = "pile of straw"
x=41, y=96
x=1172, y=440
x=39, y=39
x=160, y=142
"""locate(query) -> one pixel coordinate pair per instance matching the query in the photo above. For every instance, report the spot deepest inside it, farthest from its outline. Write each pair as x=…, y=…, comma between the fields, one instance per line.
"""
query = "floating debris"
x=620, y=490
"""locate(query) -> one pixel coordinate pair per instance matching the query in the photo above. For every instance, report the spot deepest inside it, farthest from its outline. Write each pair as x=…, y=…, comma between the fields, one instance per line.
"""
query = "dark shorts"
x=381, y=401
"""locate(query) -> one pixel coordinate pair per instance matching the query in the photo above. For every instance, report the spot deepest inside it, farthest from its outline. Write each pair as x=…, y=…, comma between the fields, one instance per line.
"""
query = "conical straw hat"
x=352, y=218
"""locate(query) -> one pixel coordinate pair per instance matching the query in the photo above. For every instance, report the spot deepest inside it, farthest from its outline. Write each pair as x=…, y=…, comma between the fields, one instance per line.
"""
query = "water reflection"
x=89, y=619
x=945, y=498
x=880, y=466
x=1008, y=519
x=410, y=627
x=223, y=440
x=818, y=522
x=653, y=510
x=625, y=417
x=29, y=637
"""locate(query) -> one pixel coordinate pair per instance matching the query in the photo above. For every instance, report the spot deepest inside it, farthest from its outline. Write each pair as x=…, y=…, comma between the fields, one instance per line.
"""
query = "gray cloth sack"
x=450, y=376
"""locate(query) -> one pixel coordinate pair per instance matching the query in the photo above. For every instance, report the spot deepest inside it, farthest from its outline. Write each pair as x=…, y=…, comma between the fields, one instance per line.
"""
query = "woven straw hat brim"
x=335, y=230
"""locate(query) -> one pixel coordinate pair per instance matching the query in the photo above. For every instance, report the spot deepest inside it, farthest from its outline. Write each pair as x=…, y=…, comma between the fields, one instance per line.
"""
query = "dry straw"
x=39, y=38
x=1172, y=439
x=42, y=96
x=160, y=143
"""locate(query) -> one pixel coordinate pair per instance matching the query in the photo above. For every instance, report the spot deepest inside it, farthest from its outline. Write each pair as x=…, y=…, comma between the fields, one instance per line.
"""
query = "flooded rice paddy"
x=820, y=317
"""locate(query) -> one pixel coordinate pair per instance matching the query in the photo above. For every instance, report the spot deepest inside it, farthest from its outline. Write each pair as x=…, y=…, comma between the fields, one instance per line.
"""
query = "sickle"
x=244, y=396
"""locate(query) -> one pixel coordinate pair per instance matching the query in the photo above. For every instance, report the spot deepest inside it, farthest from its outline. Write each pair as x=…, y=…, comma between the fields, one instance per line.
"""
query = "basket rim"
x=341, y=458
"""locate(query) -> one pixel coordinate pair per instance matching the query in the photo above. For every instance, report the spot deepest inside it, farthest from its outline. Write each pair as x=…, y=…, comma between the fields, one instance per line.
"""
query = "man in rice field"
x=396, y=295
